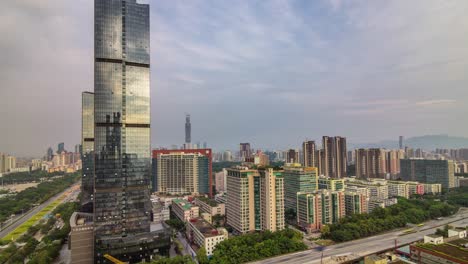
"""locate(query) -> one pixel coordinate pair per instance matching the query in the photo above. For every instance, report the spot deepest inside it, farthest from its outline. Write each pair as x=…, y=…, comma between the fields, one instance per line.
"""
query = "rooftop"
x=183, y=203
x=434, y=236
x=81, y=219
x=208, y=201
x=204, y=227
x=455, y=249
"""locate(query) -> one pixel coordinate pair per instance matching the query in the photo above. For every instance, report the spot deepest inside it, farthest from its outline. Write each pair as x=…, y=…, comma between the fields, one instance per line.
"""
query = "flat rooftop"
x=454, y=248
x=186, y=205
x=204, y=227
x=81, y=219
x=434, y=236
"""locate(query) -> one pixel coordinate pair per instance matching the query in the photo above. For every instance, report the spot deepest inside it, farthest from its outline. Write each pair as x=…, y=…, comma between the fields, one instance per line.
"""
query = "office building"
x=203, y=234
x=400, y=142
x=122, y=206
x=298, y=179
x=319, y=208
x=255, y=200
x=50, y=154
x=327, y=183
x=178, y=172
x=87, y=156
x=227, y=155
x=429, y=171
x=60, y=148
x=308, y=152
x=184, y=210
x=334, y=156
x=245, y=151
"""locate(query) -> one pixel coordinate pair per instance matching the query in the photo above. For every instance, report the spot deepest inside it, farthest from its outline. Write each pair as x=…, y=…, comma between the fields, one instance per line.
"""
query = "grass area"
x=15, y=234
x=324, y=242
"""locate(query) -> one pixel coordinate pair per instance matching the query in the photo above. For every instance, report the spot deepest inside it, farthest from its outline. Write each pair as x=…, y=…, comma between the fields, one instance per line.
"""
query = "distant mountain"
x=428, y=142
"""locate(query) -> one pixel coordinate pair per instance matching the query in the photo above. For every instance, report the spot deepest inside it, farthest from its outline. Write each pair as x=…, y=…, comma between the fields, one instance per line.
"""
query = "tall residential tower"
x=308, y=153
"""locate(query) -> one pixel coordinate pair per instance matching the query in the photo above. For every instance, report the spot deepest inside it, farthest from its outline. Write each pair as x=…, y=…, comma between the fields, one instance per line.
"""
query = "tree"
x=201, y=256
x=290, y=214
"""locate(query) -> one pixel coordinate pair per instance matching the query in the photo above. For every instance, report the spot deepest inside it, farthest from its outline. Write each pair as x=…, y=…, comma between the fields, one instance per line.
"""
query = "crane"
x=114, y=260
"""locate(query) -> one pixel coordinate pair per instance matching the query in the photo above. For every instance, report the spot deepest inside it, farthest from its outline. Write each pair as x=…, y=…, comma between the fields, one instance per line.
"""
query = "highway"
x=369, y=245
x=35, y=210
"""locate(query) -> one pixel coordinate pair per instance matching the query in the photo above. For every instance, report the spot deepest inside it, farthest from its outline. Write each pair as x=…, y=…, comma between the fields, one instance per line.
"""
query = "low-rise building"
x=378, y=188
x=203, y=234
x=220, y=198
x=210, y=206
x=398, y=189
x=374, y=259
x=161, y=213
x=184, y=210
x=457, y=232
x=451, y=252
x=434, y=239
x=373, y=204
x=432, y=188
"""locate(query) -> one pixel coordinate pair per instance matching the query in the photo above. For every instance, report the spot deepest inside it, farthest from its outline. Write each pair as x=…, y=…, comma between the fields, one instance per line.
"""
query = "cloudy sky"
x=267, y=72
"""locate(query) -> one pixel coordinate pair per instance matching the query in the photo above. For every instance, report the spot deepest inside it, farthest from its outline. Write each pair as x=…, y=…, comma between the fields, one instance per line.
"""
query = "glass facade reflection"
x=122, y=207
x=87, y=153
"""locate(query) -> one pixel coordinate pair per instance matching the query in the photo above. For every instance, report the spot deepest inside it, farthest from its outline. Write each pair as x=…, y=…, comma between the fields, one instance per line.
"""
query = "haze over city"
x=268, y=72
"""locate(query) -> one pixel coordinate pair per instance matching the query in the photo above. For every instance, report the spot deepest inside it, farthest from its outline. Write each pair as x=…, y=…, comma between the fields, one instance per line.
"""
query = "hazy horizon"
x=271, y=73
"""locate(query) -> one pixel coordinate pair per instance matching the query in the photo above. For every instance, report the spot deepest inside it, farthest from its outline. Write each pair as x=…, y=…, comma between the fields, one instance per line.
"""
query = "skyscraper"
x=50, y=154
x=401, y=142
x=87, y=156
x=60, y=147
x=188, y=130
x=308, y=152
x=122, y=207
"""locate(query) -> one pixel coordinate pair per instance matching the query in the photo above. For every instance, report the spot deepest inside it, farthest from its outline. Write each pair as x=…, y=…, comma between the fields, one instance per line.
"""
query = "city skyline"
x=372, y=65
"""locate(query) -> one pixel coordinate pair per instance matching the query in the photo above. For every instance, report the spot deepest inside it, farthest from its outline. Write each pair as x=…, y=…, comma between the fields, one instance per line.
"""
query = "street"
x=369, y=245
x=34, y=211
